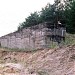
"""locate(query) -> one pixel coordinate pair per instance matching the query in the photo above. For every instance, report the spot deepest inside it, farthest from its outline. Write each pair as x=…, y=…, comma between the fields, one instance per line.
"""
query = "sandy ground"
x=59, y=61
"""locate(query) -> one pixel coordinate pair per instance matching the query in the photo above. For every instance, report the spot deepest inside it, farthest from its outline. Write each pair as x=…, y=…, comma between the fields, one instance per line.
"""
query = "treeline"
x=59, y=11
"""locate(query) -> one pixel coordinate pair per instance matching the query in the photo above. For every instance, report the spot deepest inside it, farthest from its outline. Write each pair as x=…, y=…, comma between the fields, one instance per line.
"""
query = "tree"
x=70, y=17
x=47, y=13
x=50, y=13
x=59, y=11
x=31, y=20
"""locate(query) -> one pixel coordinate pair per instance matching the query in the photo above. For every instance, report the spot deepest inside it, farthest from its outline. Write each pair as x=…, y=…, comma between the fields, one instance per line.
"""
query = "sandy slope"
x=59, y=61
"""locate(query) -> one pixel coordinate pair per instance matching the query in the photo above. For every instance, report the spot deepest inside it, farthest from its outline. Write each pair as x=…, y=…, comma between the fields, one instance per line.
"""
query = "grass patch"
x=17, y=49
x=53, y=45
x=42, y=72
x=69, y=40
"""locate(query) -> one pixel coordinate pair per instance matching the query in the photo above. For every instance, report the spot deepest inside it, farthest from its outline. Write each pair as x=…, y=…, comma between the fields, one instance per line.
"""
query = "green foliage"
x=69, y=40
x=63, y=12
x=70, y=17
x=31, y=20
x=47, y=13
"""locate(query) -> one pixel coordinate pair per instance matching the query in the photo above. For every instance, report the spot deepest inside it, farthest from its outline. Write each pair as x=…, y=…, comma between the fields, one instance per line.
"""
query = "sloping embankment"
x=59, y=61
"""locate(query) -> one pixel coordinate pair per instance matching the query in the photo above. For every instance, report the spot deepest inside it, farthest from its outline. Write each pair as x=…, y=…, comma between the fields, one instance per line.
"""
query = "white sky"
x=13, y=12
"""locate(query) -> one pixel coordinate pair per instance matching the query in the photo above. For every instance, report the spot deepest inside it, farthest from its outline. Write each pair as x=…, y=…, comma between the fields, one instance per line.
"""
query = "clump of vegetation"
x=70, y=19
x=69, y=40
x=53, y=45
x=42, y=72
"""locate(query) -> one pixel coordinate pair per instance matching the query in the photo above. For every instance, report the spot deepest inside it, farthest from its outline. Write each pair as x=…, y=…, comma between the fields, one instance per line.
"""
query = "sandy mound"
x=59, y=61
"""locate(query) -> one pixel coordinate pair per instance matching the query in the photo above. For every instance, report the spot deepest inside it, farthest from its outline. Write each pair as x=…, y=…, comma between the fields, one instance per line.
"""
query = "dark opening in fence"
x=56, y=33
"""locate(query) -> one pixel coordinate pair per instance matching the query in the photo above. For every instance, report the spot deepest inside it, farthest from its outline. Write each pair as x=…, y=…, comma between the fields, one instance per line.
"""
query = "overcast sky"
x=13, y=12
